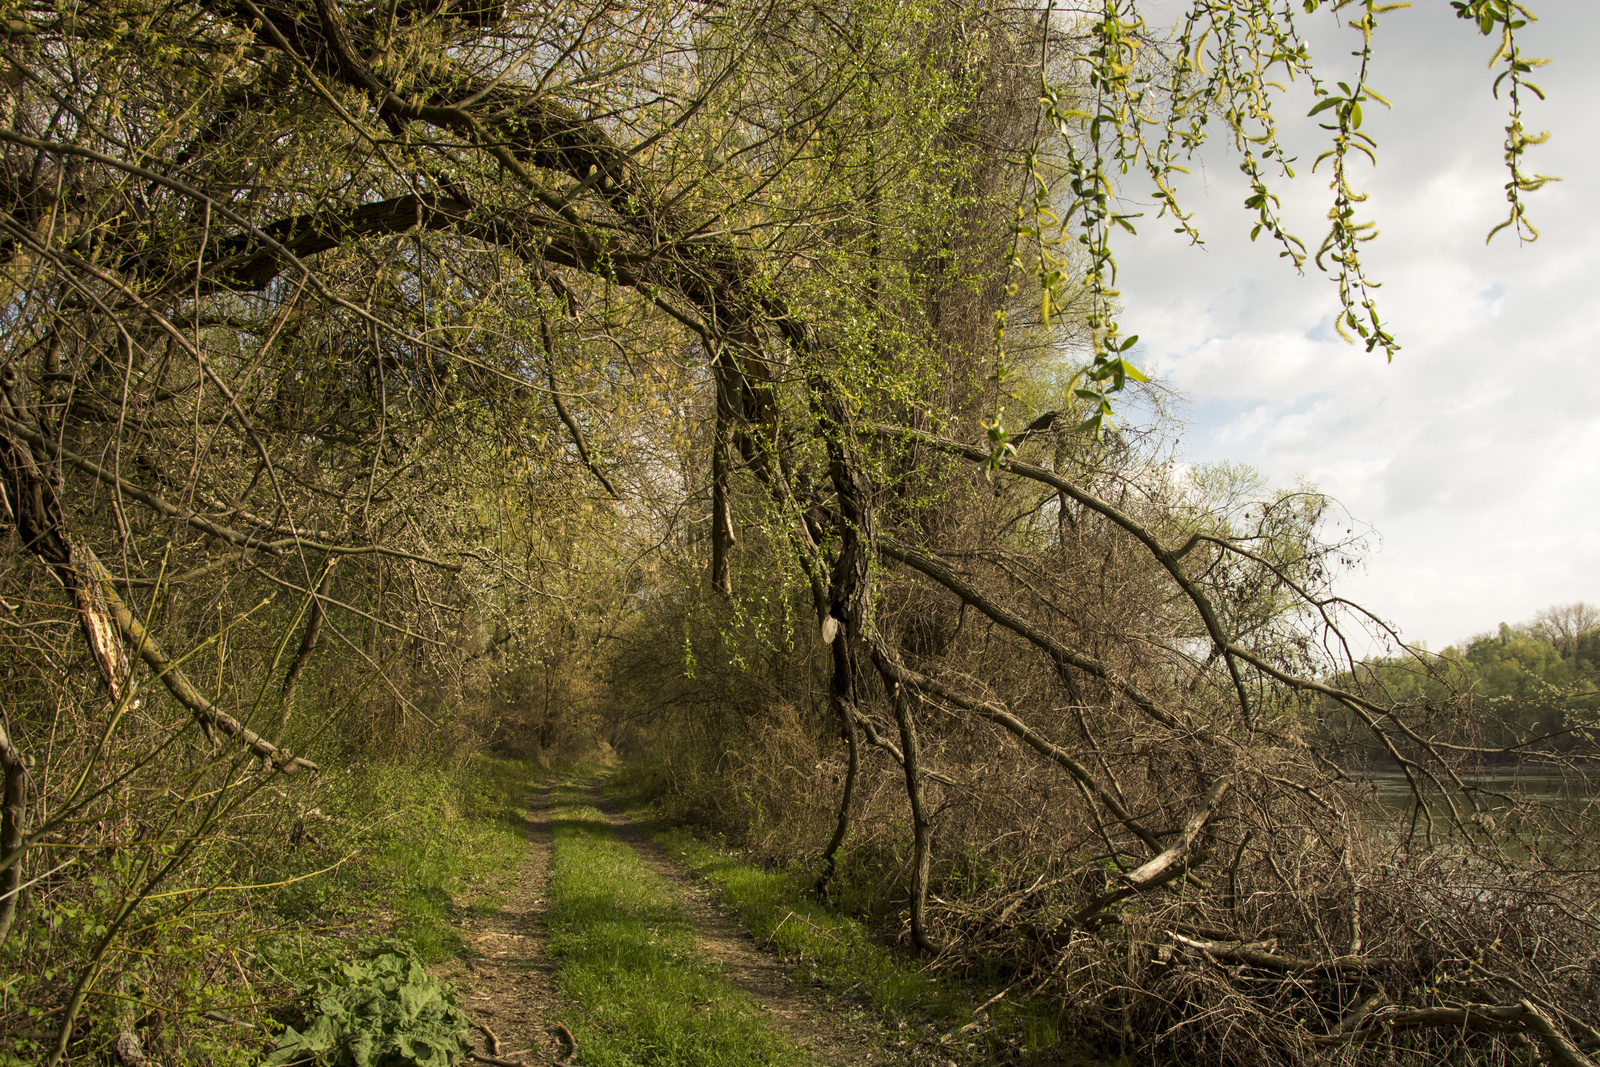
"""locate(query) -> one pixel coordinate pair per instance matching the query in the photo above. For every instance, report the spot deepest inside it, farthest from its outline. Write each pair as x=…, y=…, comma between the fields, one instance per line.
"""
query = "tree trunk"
x=843, y=698
x=921, y=831
x=721, y=509
x=308, y=645
x=13, y=809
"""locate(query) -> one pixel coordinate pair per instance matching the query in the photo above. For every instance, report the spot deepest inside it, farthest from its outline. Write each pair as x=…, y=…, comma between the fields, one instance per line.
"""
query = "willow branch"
x=1030, y=737
x=237, y=538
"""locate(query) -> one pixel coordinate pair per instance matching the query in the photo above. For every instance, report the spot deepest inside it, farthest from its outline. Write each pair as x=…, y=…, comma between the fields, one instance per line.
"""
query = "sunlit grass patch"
x=629, y=960
x=419, y=839
x=840, y=954
x=833, y=950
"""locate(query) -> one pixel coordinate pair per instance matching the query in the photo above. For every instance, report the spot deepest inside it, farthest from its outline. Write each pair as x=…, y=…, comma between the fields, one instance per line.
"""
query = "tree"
x=378, y=309
x=378, y=306
x=1564, y=624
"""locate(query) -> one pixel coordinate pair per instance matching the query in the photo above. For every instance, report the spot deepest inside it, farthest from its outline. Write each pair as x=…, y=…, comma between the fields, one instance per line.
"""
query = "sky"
x=1475, y=454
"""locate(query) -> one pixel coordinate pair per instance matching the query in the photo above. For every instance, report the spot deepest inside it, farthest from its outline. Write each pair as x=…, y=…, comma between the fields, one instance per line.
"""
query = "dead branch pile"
x=1109, y=749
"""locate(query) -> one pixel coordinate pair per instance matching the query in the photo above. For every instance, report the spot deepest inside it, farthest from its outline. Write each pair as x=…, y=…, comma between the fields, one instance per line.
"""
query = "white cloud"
x=1476, y=453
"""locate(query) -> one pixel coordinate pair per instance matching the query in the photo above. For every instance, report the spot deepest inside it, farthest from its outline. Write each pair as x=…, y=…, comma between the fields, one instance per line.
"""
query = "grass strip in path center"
x=629, y=959
x=840, y=955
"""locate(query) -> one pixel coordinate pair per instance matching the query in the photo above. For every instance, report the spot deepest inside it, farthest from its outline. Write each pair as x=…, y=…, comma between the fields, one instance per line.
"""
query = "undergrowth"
x=384, y=1010
x=283, y=882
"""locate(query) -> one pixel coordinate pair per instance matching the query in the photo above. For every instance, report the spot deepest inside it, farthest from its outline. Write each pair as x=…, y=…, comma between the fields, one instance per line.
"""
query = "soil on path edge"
x=506, y=975
x=796, y=1011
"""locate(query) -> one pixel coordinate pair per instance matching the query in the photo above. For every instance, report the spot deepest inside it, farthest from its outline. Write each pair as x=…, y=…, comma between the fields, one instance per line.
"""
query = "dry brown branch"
x=493, y=1055
x=13, y=815
x=571, y=1055
x=877, y=740
x=1063, y=655
x=1174, y=862
x=1521, y=1016
x=177, y=682
x=1260, y=956
x=1014, y=725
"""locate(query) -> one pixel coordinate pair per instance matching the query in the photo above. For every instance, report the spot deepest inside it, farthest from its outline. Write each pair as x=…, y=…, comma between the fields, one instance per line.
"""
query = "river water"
x=1572, y=788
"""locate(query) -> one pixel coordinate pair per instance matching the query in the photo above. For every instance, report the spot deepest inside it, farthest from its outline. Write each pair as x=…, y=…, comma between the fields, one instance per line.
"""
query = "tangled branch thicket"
x=1255, y=861
x=408, y=378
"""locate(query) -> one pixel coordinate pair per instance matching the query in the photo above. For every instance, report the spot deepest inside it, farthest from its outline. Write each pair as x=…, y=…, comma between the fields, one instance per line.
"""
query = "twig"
x=493, y=1056
x=497, y=1061
x=572, y=1045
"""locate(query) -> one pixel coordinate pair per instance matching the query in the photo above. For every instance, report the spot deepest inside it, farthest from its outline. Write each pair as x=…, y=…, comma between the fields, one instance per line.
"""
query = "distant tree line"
x=1533, y=686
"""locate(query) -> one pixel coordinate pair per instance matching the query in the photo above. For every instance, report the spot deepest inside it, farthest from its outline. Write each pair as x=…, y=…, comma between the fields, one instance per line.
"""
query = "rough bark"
x=309, y=638
x=921, y=826
x=842, y=697
x=13, y=815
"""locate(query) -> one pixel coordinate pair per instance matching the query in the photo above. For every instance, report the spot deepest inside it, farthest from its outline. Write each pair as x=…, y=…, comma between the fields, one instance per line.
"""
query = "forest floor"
x=510, y=983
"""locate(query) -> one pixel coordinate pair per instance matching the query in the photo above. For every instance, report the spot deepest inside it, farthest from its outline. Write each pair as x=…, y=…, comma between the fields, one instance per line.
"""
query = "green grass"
x=840, y=954
x=421, y=838
x=832, y=950
x=306, y=874
x=628, y=960
x=459, y=832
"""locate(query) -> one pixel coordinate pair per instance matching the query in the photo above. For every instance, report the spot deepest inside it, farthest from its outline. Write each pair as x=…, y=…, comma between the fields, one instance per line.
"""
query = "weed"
x=383, y=1011
x=267, y=906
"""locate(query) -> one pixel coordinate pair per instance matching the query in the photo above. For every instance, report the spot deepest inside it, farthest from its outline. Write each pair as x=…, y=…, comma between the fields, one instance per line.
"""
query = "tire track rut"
x=796, y=1011
x=507, y=976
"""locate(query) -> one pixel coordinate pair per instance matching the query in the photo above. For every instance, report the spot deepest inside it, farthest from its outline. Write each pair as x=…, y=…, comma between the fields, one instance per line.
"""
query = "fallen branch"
x=1171, y=864
x=1061, y=654
x=493, y=1055
x=572, y=1045
x=1178, y=854
x=498, y=1061
x=1024, y=733
x=1255, y=955
x=1505, y=1018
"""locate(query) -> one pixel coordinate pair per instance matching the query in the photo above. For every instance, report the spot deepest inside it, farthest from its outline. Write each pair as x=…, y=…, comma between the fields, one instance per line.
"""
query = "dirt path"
x=795, y=1011
x=506, y=976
